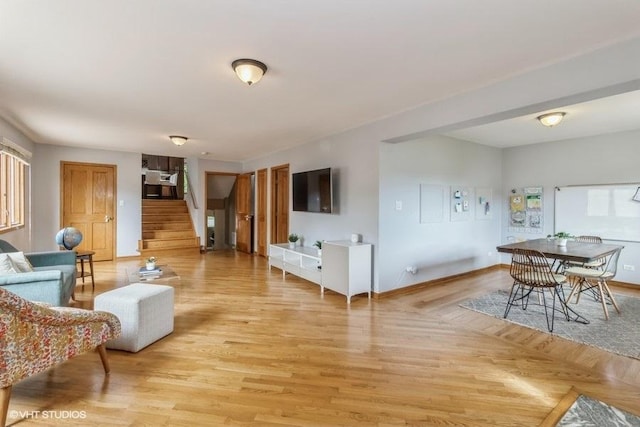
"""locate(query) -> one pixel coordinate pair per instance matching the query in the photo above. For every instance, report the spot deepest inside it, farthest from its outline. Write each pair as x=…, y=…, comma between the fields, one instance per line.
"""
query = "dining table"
x=579, y=252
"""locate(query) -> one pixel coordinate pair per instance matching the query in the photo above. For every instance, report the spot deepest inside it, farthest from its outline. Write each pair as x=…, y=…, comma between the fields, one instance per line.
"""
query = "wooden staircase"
x=167, y=227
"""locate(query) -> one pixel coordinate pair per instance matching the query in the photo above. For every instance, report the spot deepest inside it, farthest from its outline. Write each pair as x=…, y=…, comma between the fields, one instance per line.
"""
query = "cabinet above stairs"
x=167, y=226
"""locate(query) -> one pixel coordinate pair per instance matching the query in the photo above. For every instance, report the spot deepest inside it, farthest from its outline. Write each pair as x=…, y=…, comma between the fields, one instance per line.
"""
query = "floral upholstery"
x=34, y=337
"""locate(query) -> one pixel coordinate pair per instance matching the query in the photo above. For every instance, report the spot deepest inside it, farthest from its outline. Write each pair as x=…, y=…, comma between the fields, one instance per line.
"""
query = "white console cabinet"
x=301, y=261
x=344, y=267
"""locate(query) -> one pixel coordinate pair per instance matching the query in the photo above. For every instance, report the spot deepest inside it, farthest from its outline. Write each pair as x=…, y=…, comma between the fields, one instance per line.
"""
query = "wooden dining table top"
x=574, y=251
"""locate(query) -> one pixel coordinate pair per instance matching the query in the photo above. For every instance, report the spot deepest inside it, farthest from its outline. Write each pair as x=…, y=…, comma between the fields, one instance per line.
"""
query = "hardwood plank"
x=250, y=347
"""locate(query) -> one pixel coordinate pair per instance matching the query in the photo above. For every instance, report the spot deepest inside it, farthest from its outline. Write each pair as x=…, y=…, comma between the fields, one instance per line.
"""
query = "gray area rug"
x=587, y=412
x=620, y=334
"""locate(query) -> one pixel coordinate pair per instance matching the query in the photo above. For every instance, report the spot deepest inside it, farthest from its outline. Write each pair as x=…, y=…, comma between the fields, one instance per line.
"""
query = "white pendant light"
x=249, y=71
x=551, y=119
x=178, y=140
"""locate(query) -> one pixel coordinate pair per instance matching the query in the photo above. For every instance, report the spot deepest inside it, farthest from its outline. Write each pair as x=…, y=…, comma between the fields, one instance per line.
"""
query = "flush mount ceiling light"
x=178, y=140
x=551, y=119
x=249, y=71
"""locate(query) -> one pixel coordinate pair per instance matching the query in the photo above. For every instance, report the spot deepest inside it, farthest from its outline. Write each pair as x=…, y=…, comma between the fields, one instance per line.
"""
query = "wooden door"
x=244, y=213
x=88, y=204
x=261, y=213
x=279, y=204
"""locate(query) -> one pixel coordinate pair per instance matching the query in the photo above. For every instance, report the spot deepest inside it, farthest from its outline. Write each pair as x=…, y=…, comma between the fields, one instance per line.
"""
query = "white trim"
x=16, y=150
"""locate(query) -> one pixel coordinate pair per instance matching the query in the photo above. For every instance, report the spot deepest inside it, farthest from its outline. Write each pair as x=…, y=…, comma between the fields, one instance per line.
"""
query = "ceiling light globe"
x=249, y=71
x=551, y=119
x=178, y=140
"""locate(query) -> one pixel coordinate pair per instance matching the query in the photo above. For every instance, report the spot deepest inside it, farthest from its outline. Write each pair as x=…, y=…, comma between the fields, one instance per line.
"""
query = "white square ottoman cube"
x=145, y=312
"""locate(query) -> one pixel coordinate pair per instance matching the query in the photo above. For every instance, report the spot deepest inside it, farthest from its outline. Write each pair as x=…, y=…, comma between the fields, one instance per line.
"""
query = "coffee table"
x=166, y=275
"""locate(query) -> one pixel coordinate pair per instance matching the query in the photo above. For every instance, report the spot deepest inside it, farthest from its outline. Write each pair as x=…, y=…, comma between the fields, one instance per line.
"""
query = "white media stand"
x=344, y=267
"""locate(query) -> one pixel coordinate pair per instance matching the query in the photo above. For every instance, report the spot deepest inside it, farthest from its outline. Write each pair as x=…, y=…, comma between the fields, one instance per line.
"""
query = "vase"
x=319, y=252
x=292, y=245
x=561, y=242
x=151, y=266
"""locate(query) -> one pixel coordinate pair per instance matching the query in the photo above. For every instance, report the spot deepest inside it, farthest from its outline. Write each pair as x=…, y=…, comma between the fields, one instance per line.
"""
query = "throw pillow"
x=20, y=262
x=6, y=266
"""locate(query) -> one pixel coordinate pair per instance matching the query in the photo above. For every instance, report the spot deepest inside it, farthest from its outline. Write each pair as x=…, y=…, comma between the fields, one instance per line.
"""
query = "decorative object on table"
x=293, y=239
x=318, y=244
x=561, y=238
x=356, y=238
x=69, y=238
x=151, y=263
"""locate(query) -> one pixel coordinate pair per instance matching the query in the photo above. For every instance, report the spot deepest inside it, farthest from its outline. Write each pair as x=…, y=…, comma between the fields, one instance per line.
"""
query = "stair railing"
x=190, y=191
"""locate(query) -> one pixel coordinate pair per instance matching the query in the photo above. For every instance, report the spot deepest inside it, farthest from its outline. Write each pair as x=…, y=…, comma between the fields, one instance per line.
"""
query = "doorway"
x=279, y=203
x=220, y=211
x=88, y=204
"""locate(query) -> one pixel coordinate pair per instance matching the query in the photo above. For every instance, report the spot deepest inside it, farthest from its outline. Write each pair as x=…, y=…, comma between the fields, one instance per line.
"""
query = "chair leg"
x=5, y=395
x=603, y=301
x=613, y=301
x=103, y=356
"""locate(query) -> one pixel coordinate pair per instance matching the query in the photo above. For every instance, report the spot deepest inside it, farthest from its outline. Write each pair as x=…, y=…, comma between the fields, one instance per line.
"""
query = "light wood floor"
x=250, y=348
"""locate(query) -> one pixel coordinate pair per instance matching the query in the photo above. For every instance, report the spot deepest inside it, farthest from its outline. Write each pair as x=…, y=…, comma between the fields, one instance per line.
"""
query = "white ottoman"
x=145, y=312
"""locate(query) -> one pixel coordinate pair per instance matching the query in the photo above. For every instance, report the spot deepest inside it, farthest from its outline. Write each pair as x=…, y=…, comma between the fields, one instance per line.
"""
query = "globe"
x=69, y=237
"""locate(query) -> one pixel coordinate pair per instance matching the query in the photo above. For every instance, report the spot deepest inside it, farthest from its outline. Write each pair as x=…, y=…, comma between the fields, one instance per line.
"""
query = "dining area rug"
x=588, y=412
x=620, y=334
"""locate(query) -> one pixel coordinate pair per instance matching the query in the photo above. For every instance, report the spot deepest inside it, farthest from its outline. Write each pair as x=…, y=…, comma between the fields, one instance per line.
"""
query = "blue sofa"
x=52, y=281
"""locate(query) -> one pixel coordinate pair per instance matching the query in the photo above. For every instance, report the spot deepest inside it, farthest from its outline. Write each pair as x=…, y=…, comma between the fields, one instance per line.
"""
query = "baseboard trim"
x=423, y=285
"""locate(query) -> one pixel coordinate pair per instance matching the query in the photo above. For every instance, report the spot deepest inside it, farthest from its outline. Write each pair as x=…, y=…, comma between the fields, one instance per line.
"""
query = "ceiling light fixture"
x=551, y=119
x=249, y=71
x=178, y=140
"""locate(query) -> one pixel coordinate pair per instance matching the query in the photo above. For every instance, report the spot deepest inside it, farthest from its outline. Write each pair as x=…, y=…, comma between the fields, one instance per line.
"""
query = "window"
x=13, y=183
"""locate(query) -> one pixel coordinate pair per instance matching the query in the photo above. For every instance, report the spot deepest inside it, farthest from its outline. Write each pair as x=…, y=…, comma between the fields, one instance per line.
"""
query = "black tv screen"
x=312, y=191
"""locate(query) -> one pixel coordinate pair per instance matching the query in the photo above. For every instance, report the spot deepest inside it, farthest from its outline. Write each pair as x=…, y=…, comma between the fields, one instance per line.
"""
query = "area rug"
x=589, y=412
x=620, y=334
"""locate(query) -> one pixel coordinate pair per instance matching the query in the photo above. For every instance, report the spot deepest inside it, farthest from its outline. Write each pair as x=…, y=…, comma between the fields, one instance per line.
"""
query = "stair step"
x=191, y=242
x=172, y=225
x=167, y=234
x=165, y=210
x=167, y=227
x=162, y=202
x=165, y=217
x=144, y=253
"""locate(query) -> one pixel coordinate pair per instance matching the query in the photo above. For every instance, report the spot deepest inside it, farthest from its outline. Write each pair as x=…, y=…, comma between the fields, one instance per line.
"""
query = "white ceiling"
x=605, y=115
x=125, y=74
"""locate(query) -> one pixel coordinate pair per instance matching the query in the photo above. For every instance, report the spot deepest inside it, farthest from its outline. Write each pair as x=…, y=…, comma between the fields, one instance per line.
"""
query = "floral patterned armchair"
x=35, y=337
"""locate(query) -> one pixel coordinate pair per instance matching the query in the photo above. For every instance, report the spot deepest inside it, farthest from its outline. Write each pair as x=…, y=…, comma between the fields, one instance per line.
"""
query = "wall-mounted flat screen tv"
x=313, y=191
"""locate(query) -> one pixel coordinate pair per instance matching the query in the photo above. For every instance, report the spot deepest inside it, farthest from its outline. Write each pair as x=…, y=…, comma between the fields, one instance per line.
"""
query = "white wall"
x=603, y=159
x=353, y=157
x=438, y=249
x=46, y=194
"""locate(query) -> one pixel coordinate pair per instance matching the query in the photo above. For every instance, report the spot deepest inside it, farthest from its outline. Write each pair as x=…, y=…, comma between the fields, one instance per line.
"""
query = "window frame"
x=13, y=189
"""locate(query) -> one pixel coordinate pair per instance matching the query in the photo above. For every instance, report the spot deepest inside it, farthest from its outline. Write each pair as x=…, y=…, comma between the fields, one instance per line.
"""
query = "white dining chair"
x=594, y=279
x=152, y=179
x=172, y=183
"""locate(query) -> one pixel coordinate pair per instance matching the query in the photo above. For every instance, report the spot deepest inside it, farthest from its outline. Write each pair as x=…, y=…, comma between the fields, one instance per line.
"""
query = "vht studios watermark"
x=49, y=415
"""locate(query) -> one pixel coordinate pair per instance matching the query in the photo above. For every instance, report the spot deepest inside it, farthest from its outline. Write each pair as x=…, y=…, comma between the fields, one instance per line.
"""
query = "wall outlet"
x=411, y=269
x=629, y=267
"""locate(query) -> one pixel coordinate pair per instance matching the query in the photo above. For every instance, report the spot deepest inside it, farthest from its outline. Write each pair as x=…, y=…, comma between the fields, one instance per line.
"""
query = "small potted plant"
x=293, y=239
x=562, y=237
x=151, y=263
x=318, y=244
